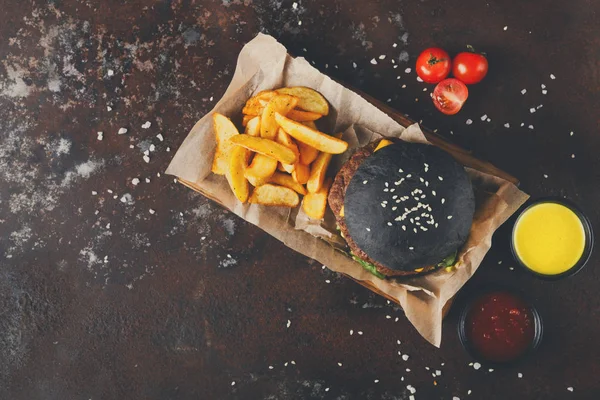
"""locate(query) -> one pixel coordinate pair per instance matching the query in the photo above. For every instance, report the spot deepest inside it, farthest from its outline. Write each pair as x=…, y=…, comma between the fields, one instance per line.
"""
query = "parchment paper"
x=264, y=64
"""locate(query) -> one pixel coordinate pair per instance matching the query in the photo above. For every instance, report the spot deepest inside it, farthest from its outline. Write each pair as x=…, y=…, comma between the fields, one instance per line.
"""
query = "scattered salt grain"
x=407, y=70
x=376, y=381
x=122, y=131
x=552, y=76
x=476, y=366
x=94, y=193
x=151, y=211
x=484, y=117
x=299, y=22
x=146, y=158
x=469, y=121
x=506, y=28
x=572, y=155
x=507, y=125
x=373, y=61
x=146, y=152
x=131, y=146
x=368, y=229
x=100, y=135
x=147, y=180
x=160, y=137
x=353, y=65
x=387, y=317
x=395, y=45
x=233, y=383
x=108, y=108
x=523, y=91
x=544, y=91
x=339, y=364
x=382, y=57
x=405, y=357
x=146, y=125
x=135, y=181
x=327, y=281
x=294, y=5
x=109, y=191
x=360, y=332
x=571, y=133
x=530, y=127
x=110, y=72
x=168, y=149
x=532, y=110
x=327, y=389
x=438, y=372
x=419, y=79
x=546, y=176
x=152, y=147
x=570, y=389
x=289, y=323
x=351, y=332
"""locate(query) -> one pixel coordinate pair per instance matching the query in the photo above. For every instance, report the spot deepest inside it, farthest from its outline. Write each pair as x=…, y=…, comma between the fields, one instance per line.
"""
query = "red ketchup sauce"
x=500, y=326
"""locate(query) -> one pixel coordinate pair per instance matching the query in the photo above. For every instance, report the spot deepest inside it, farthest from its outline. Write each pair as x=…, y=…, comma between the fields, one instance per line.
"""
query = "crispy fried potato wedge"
x=318, y=170
x=254, y=181
x=308, y=99
x=224, y=131
x=315, y=204
x=254, y=105
x=238, y=159
x=303, y=116
x=280, y=167
x=253, y=127
x=272, y=195
x=316, y=139
x=301, y=173
x=287, y=181
x=246, y=119
x=286, y=140
x=269, y=148
x=308, y=154
x=262, y=167
x=280, y=104
x=310, y=124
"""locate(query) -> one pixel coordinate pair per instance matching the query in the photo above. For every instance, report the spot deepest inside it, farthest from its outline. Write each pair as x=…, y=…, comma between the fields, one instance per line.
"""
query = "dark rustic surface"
x=102, y=299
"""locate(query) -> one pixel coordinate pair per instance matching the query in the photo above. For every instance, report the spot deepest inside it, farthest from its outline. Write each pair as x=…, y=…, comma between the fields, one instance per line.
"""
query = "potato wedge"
x=262, y=167
x=253, y=127
x=269, y=148
x=246, y=119
x=235, y=173
x=254, y=181
x=318, y=170
x=280, y=104
x=287, y=181
x=254, y=104
x=308, y=99
x=308, y=154
x=316, y=139
x=303, y=116
x=273, y=195
x=315, y=204
x=224, y=131
x=301, y=173
x=280, y=167
x=310, y=124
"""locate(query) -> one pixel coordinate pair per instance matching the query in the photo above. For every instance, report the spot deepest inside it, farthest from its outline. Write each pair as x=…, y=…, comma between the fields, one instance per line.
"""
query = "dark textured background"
x=101, y=299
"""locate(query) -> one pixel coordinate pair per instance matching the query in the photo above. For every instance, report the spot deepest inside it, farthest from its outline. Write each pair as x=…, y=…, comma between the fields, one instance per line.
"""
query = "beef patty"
x=336, y=202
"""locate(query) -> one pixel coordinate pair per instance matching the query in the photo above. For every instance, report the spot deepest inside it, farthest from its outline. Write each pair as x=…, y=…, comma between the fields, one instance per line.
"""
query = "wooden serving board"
x=463, y=156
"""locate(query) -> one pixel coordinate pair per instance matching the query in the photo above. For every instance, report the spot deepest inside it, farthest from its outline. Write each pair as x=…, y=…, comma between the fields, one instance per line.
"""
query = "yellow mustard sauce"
x=549, y=238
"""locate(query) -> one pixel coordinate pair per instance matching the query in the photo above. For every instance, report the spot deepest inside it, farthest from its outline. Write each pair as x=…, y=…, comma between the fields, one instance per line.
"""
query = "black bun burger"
x=403, y=208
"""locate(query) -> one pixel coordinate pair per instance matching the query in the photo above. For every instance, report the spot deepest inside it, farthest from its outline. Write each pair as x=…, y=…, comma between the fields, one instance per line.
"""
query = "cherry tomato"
x=469, y=67
x=433, y=65
x=449, y=96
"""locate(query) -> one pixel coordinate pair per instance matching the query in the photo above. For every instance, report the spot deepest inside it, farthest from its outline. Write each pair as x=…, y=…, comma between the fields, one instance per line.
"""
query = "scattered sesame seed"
x=433, y=192
x=407, y=369
x=388, y=317
x=506, y=28
x=109, y=191
x=411, y=248
x=572, y=155
x=351, y=332
x=571, y=133
x=491, y=370
x=122, y=131
x=293, y=362
x=376, y=381
x=469, y=121
x=449, y=216
x=110, y=72
x=340, y=364
x=420, y=80
x=443, y=200
x=415, y=230
x=270, y=367
x=522, y=123
x=395, y=45
x=360, y=332
x=455, y=398
x=233, y=383
x=289, y=323
x=327, y=389
x=530, y=126
x=404, y=227
x=368, y=229
x=546, y=176
x=299, y=22
x=94, y=193
x=327, y=281
x=108, y=108
x=570, y=388
x=403, y=86
x=382, y=57
x=389, y=224
x=440, y=178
